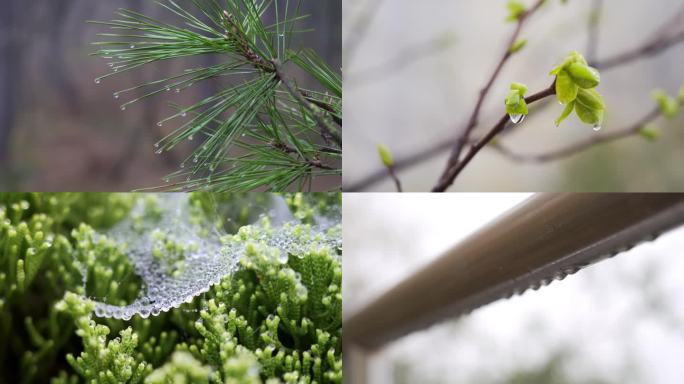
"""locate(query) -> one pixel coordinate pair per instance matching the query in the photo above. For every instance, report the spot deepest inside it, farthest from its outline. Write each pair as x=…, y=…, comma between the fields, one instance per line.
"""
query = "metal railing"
x=547, y=237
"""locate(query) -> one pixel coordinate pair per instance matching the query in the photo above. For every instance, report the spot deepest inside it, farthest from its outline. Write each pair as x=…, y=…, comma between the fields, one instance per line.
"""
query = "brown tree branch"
x=393, y=175
x=658, y=45
x=457, y=168
x=580, y=146
x=447, y=176
x=652, y=48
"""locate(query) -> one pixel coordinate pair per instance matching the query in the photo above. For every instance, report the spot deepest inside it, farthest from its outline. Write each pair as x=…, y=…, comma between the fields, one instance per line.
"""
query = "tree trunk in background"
x=10, y=76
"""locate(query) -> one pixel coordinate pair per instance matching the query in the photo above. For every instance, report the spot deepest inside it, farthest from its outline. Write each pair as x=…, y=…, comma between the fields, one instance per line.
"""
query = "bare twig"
x=458, y=167
x=358, y=31
x=447, y=176
x=649, y=49
x=395, y=178
x=405, y=58
x=582, y=145
x=593, y=29
x=662, y=40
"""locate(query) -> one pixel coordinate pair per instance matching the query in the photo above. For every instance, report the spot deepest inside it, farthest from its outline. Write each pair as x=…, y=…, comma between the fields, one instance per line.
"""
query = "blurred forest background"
x=413, y=70
x=618, y=321
x=59, y=131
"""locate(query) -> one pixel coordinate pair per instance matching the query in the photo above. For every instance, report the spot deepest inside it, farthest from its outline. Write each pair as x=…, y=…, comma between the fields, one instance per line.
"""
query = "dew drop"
x=191, y=138
x=159, y=124
x=158, y=152
x=184, y=114
x=182, y=165
x=156, y=145
x=132, y=46
x=116, y=95
x=516, y=119
x=123, y=107
x=597, y=128
x=178, y=90
x=97, y=81
x=196, y=159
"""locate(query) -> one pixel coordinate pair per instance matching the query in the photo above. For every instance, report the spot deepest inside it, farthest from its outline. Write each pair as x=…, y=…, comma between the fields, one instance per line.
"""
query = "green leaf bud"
x=589, y=107
x=566, y=89
x=650, y=133
x=518, y=45
x=566, y=112
x=385, y=156
x=515, y=9
x=669, y=107
x=583, y=75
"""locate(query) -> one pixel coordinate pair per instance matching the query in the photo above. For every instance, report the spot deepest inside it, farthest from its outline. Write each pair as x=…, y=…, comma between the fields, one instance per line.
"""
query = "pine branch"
x=262, y=107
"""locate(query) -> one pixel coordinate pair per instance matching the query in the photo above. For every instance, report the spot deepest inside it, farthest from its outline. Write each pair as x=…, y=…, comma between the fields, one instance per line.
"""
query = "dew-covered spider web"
x=178, y=256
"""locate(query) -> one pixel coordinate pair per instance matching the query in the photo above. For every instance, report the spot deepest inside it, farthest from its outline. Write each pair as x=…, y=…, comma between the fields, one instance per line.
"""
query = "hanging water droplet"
x=156, y=145
x=111, y=64
x=196, y=159
x=168, y=89
x=166, y=180
x=123, y=107
x=159, y=124
x=182, y=165
x=516, y=119
x=178, y=90
x=97, y=81
x=597, y=128
x=191, y=138
x=132, y=46
x=158, y=152
x=116, y=95
x=184, y=114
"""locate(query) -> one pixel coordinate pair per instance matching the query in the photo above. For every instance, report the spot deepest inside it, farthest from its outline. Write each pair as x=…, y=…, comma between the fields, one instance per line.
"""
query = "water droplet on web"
x=191, y=138
x=196, y=159
x=132, y=46
x=168, y=89
x=159, y=151
x=184, y=114
x=516, y=118
x=159, y=124
x=178, y=90
x=597, y=128
x=210, y=260
x=123, y=107
x=182, y=165
x=156, y=145
x=116, y=95
x=97, y=81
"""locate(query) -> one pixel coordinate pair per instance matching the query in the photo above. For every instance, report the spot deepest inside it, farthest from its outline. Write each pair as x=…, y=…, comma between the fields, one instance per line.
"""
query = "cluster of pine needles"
x=262, y=130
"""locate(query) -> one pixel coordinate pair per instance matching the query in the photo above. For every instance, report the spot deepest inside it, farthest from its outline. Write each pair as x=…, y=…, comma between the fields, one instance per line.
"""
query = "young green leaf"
x=566, y=89
x=566, y=112
x=385, y=156
x=515, y=9
x=669, y=107
x=650, y=133
x=583, y=75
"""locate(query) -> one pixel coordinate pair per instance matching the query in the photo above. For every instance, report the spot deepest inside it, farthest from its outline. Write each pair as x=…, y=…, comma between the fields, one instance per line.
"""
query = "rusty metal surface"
x=543, y=239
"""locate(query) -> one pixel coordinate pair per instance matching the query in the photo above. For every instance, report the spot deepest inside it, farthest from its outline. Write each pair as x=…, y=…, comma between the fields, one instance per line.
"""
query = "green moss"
x=276, y=319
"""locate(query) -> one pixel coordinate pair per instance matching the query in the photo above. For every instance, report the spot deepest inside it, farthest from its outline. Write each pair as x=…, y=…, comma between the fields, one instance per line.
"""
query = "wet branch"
x=580, y=146
x=447, y=177
x=661, y=42
x=493, y=132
